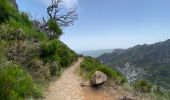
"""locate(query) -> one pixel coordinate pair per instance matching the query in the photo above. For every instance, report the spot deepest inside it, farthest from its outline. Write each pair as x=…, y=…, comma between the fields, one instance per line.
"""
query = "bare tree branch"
x=58, y=17
x=54, y=12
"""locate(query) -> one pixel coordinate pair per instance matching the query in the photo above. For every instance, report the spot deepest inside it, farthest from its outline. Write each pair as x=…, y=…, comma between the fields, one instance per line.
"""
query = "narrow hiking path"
x=68, y=87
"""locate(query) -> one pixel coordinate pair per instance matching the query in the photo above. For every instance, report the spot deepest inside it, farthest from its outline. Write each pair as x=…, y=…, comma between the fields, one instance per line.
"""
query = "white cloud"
x=67, y=3
x=70, y=3
x=45, y=2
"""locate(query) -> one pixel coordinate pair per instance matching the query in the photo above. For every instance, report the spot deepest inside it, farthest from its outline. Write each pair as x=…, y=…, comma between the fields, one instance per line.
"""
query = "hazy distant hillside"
x=153, y=60
x=96, y=53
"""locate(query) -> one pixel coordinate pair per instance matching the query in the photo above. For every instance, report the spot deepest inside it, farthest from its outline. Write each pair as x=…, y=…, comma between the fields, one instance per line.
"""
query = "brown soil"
x=68, y=87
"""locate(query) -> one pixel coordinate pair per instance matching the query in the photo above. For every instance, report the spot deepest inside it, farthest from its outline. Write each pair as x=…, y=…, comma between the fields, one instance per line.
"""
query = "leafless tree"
x=56, y=12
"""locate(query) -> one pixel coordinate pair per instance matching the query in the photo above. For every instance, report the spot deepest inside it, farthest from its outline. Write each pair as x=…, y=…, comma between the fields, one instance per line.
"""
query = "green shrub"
x=9, y=14
x=2, y=52
x=9, y=32
x=55, y=50
x=39, y=70
x=67, y=56
x=27, y=28
x=55, y=69
x=48, y=49
x=7, y=10
x=22, y=51
x=66, y=59
x=37, y=91
x=148, y=91
x=24, y=19
x=15, y=84
x=90, y=65
x=53, y=26
x=142, y=86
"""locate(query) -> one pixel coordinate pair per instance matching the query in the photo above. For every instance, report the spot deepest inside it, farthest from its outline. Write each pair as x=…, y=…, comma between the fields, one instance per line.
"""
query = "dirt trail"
x=67, y=87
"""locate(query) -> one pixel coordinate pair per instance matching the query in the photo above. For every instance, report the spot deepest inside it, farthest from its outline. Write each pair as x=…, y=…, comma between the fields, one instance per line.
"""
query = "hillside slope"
x=28, y=57
x=153, y=59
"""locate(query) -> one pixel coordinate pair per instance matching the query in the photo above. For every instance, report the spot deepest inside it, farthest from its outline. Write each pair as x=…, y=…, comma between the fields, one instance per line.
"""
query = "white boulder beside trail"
x=98, y=78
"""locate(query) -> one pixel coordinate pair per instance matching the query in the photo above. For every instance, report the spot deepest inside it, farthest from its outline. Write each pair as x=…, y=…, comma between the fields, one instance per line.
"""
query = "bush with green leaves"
x=24, y=19
x=39, y=70
x=142, y=86
x=15, y=84
x=48, y=49
x=22, y=51
x=55, y=50
x=20, y=21
x=57, y=55
x=54, y=27
x=9, y=32
x=55, y=69
x=67, y=56
x=7, y=10
x=90, y=65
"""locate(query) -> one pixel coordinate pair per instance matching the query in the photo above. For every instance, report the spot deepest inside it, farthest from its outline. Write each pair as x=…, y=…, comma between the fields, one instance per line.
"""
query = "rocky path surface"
x=68, y=87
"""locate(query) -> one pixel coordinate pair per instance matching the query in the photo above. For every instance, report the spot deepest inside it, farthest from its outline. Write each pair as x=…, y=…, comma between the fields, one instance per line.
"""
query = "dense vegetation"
x=53, y=26
x=90, y=65
x=28, y=58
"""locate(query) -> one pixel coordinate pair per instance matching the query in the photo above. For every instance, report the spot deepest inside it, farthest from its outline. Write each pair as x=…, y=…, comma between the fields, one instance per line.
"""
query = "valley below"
x=148, y=62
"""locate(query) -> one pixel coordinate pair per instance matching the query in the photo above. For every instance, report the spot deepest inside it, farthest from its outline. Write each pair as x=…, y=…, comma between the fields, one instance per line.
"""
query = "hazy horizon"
x=85, y=50
x=110, y=24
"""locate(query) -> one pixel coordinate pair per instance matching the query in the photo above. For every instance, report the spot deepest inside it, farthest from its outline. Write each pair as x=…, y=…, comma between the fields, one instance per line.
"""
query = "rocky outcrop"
x=14, y=3
x=98, y=78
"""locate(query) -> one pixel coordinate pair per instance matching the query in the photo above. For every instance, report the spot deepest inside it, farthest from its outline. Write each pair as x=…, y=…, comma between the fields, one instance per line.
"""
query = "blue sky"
x=105, y=24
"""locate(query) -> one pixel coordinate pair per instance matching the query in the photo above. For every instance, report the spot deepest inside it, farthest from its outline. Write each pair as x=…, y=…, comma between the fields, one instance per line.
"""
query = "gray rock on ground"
x=98, y=78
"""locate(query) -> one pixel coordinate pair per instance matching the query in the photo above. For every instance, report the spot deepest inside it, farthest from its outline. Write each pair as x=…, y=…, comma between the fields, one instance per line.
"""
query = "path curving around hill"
x=68, y=87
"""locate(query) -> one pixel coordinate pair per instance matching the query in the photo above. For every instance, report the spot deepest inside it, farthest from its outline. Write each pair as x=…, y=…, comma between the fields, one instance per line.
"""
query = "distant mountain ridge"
x=154, y=59
x=96, y=53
